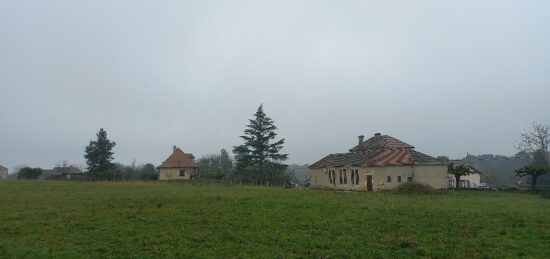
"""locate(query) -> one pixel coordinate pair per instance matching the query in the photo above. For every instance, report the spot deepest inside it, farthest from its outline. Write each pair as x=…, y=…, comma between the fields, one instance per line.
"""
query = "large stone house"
x=178, y=166
x=379, y=163
x=3, y=173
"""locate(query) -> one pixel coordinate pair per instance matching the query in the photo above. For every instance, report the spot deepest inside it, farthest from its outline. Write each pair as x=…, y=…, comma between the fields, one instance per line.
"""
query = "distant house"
x=380, y=163
x=61, y=173
x=466, y=181
x=3, y=172
x=178, y=166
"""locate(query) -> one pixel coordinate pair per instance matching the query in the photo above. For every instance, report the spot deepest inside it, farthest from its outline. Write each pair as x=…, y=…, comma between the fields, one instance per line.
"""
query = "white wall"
x=174, y=173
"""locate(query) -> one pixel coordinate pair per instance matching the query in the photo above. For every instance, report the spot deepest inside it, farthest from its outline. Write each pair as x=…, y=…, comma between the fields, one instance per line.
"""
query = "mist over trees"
x=495, y=169
x=132, y=172
x=258, y=159
x=216, y=166
x=29, y=173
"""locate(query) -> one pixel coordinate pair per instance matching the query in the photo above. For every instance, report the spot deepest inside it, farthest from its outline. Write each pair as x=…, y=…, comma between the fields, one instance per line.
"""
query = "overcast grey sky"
x=448, y=77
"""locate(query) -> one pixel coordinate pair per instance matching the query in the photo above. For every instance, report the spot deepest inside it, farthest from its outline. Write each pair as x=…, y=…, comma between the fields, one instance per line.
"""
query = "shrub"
x=415, y=188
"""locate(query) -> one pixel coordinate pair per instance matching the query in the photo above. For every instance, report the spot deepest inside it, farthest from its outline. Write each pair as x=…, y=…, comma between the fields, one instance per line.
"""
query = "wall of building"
x=174, y=173
x=3, y=174
x=467, y=181
x=384, y=178
x=432, y=175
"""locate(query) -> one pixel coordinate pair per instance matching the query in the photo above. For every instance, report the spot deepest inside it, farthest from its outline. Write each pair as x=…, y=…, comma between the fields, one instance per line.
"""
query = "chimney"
x=377, y=138
x=361, y=139
x=174, y=149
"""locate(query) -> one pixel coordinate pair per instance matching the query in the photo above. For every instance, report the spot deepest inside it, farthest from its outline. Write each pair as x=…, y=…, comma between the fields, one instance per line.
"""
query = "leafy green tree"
x=99, y=154
x=459, y=171
x=535, y=172
x=259, y=158
x=29, y=173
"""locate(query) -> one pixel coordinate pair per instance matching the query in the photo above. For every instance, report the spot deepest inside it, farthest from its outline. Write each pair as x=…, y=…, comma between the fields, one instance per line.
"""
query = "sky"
x=448, y=77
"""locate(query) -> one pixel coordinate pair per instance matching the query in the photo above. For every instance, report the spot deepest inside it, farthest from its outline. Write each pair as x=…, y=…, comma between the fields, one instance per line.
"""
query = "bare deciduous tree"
x=536, y=138
x=535, y=142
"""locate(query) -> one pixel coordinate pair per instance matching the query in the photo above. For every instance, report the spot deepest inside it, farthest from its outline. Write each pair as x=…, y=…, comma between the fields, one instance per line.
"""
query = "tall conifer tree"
x=99, y=153
x=259, y=158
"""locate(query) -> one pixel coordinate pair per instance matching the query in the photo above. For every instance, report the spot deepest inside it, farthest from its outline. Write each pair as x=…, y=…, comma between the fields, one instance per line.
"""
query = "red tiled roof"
x=381, y=141
x=179, y=159
x=381, y=157
x=382, y=150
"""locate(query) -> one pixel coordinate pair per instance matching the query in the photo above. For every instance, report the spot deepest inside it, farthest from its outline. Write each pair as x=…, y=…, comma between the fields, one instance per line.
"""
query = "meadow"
x=46, y=219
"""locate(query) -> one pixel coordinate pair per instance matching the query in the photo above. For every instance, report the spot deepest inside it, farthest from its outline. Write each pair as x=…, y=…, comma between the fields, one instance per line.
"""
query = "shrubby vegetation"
x=135, y=173
x=415, y=188
x=216, y=166
x=29, y=173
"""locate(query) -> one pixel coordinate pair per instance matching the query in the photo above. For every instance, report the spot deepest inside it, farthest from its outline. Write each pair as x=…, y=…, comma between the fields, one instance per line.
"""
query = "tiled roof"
x=381, y=141
x=380, y=157
x=179, y=159
x=380, y=150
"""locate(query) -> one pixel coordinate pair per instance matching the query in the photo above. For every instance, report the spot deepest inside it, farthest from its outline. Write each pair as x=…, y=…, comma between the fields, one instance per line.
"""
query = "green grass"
x=40, y=219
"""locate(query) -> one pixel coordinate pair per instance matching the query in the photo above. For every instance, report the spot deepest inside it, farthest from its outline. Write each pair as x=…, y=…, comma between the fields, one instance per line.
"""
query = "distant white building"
x=3, y=172
x=466, y=181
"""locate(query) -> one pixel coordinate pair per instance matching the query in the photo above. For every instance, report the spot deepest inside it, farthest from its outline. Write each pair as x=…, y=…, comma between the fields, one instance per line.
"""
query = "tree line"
x=258, y=160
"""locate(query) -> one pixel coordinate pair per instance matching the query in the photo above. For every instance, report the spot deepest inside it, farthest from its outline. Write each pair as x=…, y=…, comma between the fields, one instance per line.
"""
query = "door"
x=369, y=183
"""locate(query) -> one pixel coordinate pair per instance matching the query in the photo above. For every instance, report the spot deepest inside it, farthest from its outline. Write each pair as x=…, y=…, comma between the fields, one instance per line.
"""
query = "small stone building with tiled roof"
x=178, y=166
x=381, y=162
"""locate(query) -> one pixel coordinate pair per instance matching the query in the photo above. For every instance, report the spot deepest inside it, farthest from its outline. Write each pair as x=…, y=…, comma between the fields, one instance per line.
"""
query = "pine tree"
x=99, y=153
x=259, y=158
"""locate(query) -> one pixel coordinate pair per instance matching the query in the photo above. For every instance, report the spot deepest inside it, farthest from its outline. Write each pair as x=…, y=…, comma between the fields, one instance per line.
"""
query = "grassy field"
x=41, y=219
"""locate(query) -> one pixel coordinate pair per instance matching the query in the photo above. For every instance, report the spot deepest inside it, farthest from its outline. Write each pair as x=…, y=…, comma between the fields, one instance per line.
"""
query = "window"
x=409, y=179
x=399, y=178
x=182, y=172
x=352, y=176
x=389, y=179
x=345, y=177
x=341, y=180
x=330, y=176
x=357, y=176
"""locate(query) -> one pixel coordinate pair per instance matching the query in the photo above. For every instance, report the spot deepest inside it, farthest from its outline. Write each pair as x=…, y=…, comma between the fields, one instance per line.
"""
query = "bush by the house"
x=415, y=188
